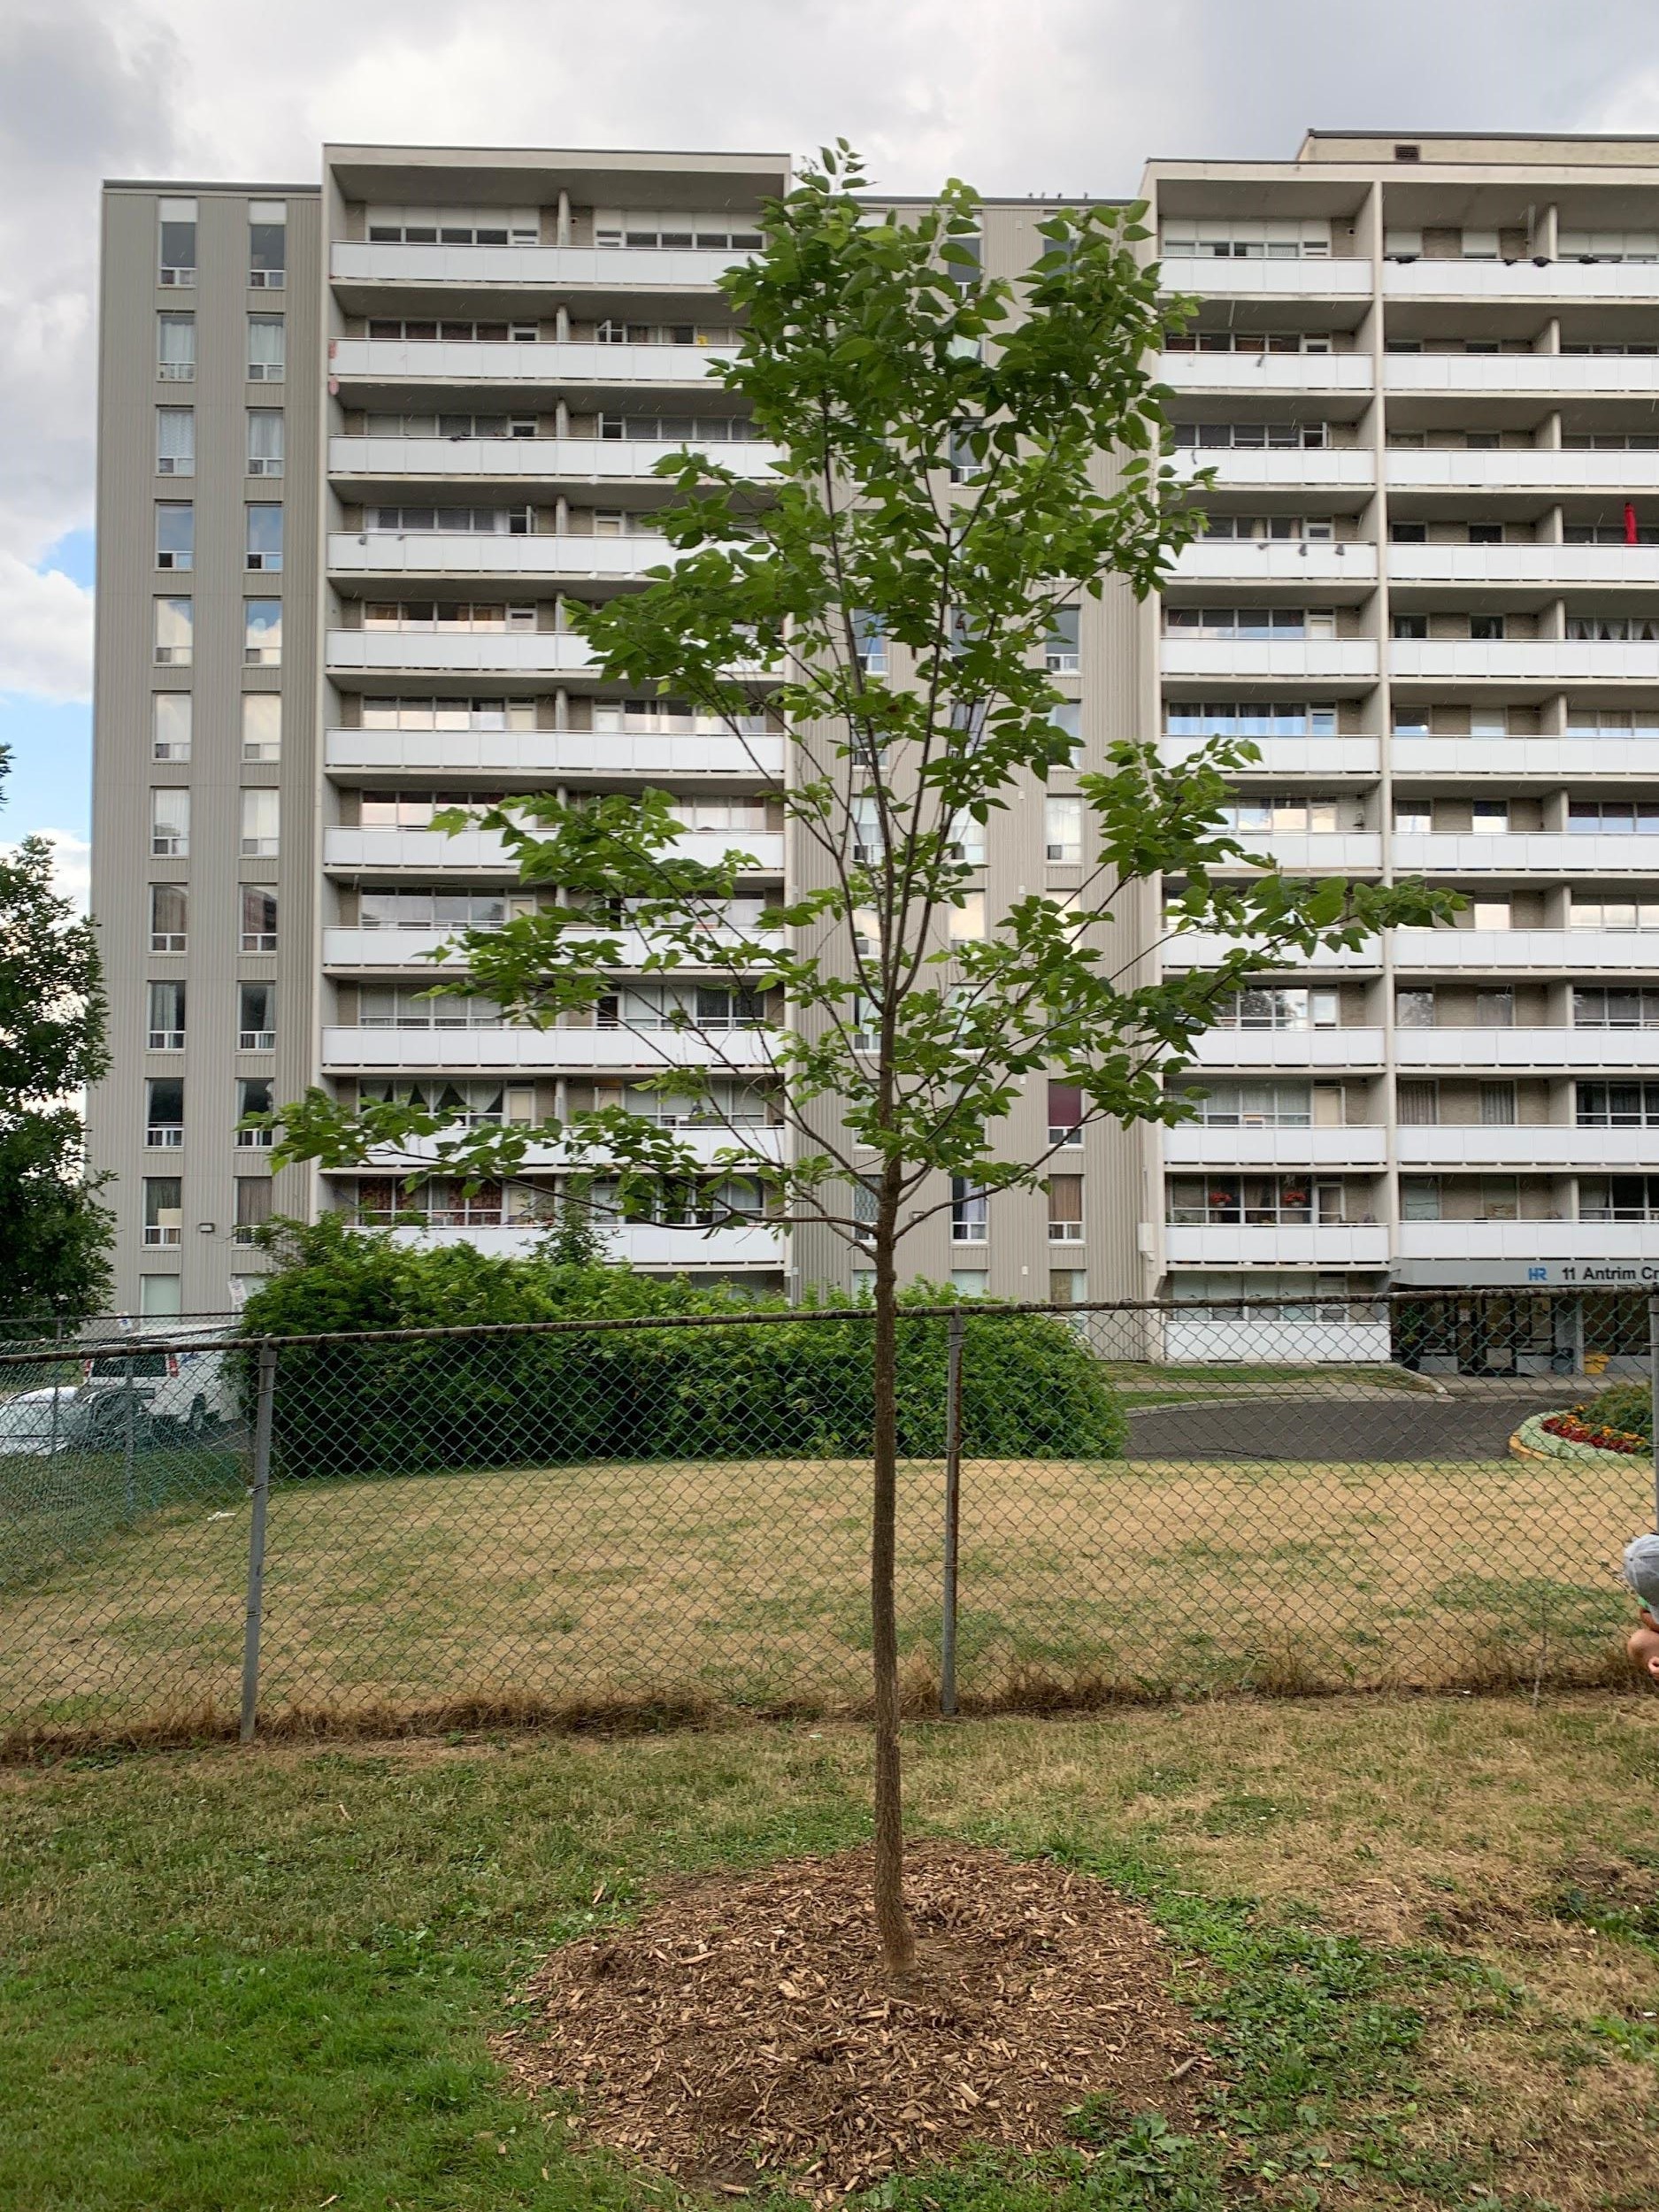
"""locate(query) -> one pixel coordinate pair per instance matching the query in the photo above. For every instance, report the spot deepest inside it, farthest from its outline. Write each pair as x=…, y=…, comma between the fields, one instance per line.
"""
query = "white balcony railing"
x=704, y=1144
x=641, y=1243
x=477, y=553
x=457, y=652
x=1614, y=565
x=1527, y=853
x=1281, y=372
x=1326, y=757
x=348, y=1051
x=372, y=851
x=1289, y=1050
x=1203, y=948
x=1524, y=660
x=1521, y=468
x=1328, y=1244
x=420, y=362
x=1522, y=951
x=410, y=950
x=564, y=461
x=1358, y=849
x=1282, y=468
x=1586, y=1240
x=1534, y=374
x=1276, y=561
x=1510, y=757
x=1305, y=660
x=515, y=753
x=1567, y=281
x=1521, y=1145
x=1193, y=1144
x=1580, y=1051
x=1339, y=277
x=608, y=269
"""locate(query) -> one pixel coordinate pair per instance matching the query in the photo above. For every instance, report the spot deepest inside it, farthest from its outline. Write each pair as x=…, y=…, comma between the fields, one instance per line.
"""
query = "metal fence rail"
x=409, y=1527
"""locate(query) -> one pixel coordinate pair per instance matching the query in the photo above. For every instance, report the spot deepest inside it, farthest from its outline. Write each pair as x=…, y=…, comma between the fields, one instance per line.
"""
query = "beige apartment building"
x=362, y=448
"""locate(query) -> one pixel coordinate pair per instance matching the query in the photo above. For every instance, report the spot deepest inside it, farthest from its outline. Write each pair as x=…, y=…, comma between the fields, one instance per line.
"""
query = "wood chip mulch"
x=743, y=2027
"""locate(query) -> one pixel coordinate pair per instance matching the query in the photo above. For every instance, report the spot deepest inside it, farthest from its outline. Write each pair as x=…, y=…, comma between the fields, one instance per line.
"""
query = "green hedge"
x=1627, y=1406
x=1030, y=1388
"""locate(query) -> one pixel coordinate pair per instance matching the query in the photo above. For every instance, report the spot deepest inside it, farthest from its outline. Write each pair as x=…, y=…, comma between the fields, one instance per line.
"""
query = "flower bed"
x=1576, y=1428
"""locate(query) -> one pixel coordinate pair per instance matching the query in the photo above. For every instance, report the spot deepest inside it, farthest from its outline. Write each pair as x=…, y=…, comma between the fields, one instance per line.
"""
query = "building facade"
x=1424, y=374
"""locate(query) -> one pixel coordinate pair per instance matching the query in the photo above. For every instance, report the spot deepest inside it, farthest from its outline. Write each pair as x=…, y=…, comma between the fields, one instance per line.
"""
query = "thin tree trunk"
x=893, y=1923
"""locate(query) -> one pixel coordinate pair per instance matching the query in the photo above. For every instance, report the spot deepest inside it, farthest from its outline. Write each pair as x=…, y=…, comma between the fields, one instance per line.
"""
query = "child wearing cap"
x=1642, y=1571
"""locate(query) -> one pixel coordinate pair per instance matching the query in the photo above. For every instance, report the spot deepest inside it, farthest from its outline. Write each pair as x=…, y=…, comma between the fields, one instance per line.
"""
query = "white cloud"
x=45, y=632
x=72, y=865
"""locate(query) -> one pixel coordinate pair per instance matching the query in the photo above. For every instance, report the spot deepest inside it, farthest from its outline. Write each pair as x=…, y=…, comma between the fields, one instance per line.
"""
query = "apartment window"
x=1249, y=718
x=1419, y=1104
x=166, y=1027
x=175, y=534
x=177, y=242
x=1487, y=628
x=1413, y=818
x=450, y=616
x=1060, y=652
x=264, y=537
x=967, y=841
x=864, y=813
x=1618, y=1198
x=262, y=632
x=267, y=348
x=1618, y=1007
x=261, y=726
x=1414, y=1009
x=1486, y=533
x=260, y=808
x=169, y=918
x=175, y=629
x=169, y=823
x=1497, y=1105
x=1065, y=1209
x=967, y=917
x=1065, y=1113
x=1212, y=238
x=164, y=1113
x=1494, y=1009
x=1409, y=626
x=1293, y=817
x=680, y=429
x=170, y=717
x=160, y=1296
x=253, y=1096
x=708, y=233
x=1067, y=1286
x=255, y=1016
x=1255, y=1201
x=970, y=1212
x=423, y=330
x=431, y=910
x=1617, y=1106
x=175, y=348
x=1490, y=913
x=267, y=245
x=392, y=1009
x=1619, y=914
x=1250, y=436
x=1222, y=1105
x=1246, y=341
x=1613, y=817
x=1613, y=629
x=1063, y=830
x=175, y=442
x=1250, y=623
x=164, y=1209
x=466, y=714
x=258, y=917
x=264, y=440
x=1263, y=1006
x=1419, y=1198
x=450, y=426
x=1488, y=722
x=253, y=1206
x=1411, y=722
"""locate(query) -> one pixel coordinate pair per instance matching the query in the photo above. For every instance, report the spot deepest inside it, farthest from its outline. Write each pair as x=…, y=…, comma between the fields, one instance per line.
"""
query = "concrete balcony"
x=562, y=556
x=1285, y=468
x=1521, y=468
x=353, y=851
x=1614, y=565
x=1591, y=1242
x=1338, y=277
x=456, y=652
x=1527, y=952
x=1275, y=561
x=1520, y=1051
x=515, y=754
x=554, y=461
x=1289, y=1051
x=1190, y=1144
x=1226, y=1244
x=580, y=268
x=1565, y=282
x=1566, y=758
x=1329, y=758
x=1523, y=660
x=1279, y=372
x=1202, y=949
x=762, y=1143
x=410, y=952
x=1521, y=1146
x=357, y=1051
x=1527, y=853
x=640, y=1243
x=1300, y=660
x=1536, y=375
x=545, y=361
x=1318, y=855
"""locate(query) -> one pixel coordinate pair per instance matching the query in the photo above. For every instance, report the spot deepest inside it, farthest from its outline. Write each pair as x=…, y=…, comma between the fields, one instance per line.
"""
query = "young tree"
x=960, y=458
x=54, y=1235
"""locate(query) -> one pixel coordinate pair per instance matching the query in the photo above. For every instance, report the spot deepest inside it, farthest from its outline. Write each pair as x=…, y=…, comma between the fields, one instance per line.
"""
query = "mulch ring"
x=743, y=2027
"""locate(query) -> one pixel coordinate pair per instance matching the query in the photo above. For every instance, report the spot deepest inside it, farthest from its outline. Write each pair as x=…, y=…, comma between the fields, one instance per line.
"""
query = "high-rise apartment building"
x=361, y=449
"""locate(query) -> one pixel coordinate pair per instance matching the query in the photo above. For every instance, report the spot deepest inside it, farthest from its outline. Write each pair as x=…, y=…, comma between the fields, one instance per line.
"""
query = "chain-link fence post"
x=953, y=1513
x=129, y=1473
x=1652, y=1390
x=263, y=1408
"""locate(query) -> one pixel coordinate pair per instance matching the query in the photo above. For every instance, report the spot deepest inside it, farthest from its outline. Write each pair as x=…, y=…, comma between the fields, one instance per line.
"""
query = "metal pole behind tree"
x=953, y=1512
x=261, y=1486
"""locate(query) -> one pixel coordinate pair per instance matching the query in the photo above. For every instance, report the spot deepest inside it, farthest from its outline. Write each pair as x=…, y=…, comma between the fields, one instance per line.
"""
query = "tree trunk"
x=893, y=1923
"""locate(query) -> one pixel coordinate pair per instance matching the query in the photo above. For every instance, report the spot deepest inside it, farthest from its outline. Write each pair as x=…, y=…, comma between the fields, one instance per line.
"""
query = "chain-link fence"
x=424, y=1528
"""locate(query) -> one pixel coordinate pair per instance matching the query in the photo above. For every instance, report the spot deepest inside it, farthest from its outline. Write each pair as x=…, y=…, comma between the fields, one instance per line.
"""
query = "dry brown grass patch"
x=744, y=2026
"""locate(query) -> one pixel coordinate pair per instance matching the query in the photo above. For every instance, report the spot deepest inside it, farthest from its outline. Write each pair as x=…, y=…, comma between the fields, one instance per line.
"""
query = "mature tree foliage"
x=942, y=495
x=54, y=1235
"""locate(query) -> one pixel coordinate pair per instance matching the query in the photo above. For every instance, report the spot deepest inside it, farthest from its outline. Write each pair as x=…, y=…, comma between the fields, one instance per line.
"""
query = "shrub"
x=1030, y=1389
x=1623, y=1407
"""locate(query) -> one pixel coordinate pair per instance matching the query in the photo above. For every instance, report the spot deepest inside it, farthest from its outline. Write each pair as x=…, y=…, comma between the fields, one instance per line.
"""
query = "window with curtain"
x=265, y=441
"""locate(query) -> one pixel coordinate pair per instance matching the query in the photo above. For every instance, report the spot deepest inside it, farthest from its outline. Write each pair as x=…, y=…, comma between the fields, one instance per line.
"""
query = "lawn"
x=1422, y=1936
x=742, y=1584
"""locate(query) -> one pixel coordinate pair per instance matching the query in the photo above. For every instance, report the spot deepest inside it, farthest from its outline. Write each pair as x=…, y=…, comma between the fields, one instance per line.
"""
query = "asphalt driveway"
x=1385, y=1425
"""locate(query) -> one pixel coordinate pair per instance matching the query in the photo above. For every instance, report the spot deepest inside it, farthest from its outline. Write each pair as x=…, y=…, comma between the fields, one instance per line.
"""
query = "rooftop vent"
x=1407, y=153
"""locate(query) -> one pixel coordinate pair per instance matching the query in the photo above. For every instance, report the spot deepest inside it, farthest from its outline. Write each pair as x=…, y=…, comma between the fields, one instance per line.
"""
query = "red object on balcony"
x=1631, y=535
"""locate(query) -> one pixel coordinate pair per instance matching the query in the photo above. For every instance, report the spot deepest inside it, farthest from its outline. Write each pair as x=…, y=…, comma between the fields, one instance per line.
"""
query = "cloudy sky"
x=1054, y=96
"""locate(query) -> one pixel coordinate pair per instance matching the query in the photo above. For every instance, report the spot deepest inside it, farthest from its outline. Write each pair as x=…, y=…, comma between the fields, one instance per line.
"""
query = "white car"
x=95, y=1418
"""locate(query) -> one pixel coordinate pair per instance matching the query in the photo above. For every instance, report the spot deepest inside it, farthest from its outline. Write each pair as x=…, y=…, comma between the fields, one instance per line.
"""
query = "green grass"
x=1417, y=1936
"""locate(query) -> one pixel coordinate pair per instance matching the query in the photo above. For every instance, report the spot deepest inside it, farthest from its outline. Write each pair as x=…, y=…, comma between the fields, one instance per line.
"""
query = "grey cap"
x=1642, y=1570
